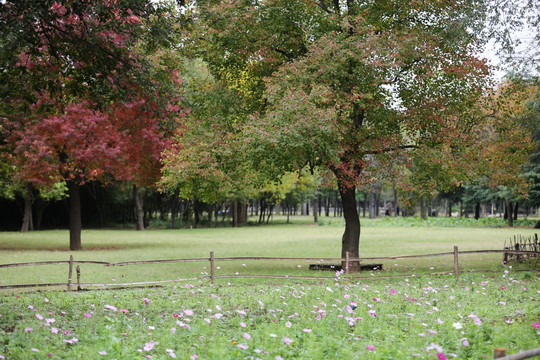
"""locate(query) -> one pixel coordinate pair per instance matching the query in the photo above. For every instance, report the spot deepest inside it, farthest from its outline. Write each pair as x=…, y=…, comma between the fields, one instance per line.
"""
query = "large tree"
x=88, y=93
x=345, y=85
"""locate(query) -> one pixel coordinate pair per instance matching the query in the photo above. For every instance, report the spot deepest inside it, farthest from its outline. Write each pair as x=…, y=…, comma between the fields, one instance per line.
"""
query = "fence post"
x=78, y=269
x=346, y=263
x=212, y=267
x=456, y=262
x=499, y=353
x=70, y=272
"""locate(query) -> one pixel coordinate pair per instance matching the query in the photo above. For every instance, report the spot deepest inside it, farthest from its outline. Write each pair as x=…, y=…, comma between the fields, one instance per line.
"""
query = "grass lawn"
x=300, y=239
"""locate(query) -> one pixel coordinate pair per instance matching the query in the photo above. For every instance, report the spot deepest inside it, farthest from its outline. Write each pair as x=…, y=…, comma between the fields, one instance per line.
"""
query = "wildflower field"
x=423, y=317
x=418, y=317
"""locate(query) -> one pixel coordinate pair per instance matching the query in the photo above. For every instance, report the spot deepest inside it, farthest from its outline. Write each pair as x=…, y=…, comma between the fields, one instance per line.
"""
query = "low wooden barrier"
x=212, y=260
x=500, y=354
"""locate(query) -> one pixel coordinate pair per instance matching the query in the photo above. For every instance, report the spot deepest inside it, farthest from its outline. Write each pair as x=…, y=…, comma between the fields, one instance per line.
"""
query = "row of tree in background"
x=114, y=206
x=222, y=102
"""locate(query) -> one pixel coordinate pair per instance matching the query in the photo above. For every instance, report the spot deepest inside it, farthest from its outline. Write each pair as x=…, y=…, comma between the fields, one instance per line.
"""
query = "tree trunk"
x=139, y=207
x=372, y=205
x=423, y=209
x=477, y=211
x=377, y=200
x=395, y=202
x=316, y=209
x=196, y=213
x=509, y=216
x=27, y=223
x=351, y=237
x=335, y=204
x=516, y=210
x=75, y=222
x=235, y=213
x=210, y=211
x=270, y=209
x=327, y=206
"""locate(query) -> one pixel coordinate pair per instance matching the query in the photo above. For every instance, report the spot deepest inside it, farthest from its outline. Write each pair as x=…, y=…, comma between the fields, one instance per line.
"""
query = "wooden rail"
x=212, y=259
x=500, y=354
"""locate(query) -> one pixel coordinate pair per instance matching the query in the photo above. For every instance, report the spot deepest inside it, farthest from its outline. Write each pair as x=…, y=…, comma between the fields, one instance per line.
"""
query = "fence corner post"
x=212, y=267
x=70, y=273
x=499, y=353
x=456, y=262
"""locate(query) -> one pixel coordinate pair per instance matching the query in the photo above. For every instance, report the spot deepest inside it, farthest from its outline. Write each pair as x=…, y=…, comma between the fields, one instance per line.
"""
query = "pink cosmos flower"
x=287, y=341
x=149, y=345
x=188, y=312
x=39, y=317
x=243, y=346
x=536, y=326
x=247, y=336
x=503, y=287
x=243, y=325
x=441, y=356
x=171, y=353
x=29, y=329
x=370, y=347
x=54, y=330
x=307, y=330
x=103, y=353
x=87, y=315
x=123, y=311
x=392, y=291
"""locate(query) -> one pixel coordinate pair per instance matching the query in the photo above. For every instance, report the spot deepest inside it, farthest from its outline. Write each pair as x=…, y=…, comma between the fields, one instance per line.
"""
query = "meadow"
x=421, y=316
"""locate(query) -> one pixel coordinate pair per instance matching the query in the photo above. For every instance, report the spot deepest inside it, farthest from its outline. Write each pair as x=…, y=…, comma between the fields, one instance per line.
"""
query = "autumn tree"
x=508, y=140
x=349, y=81
x=89, y=93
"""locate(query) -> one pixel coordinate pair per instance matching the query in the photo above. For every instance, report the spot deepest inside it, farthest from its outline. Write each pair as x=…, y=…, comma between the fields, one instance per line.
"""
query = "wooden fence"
x=534, y=255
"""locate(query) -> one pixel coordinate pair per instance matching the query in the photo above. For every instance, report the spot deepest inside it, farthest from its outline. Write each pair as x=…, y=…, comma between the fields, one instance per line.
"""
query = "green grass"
x=300, y=239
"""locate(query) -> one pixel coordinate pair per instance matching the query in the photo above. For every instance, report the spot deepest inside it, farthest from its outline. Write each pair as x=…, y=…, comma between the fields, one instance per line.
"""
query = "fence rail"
x=212, y=260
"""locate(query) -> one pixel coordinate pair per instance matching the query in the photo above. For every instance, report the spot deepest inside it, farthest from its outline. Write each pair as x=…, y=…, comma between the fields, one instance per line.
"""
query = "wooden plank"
x=522, y=355
x=34, y=263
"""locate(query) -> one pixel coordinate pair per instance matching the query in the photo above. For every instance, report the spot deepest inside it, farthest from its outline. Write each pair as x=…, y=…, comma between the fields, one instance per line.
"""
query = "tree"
x=507, y=140
x=337, y=84
x=378, y=86
x=66, y=64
